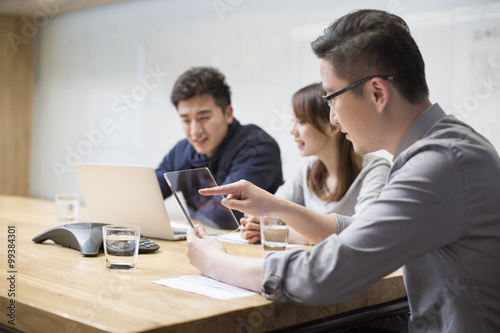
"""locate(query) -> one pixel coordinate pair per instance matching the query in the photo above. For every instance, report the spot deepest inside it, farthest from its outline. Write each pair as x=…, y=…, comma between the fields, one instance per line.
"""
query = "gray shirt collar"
x=419, y=127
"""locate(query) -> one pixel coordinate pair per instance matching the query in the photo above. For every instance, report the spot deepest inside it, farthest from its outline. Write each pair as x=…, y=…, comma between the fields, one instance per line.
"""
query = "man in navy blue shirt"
x=215, y=139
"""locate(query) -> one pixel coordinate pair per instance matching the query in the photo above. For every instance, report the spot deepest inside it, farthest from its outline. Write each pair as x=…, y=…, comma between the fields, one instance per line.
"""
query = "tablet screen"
x=207, y=210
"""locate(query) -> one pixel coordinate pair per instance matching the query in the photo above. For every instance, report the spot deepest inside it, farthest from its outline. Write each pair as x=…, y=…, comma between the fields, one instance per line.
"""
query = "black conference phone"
x=86, y=237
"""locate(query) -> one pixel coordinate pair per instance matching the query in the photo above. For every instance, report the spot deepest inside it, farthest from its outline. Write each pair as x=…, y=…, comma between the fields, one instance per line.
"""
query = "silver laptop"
x=119, y=194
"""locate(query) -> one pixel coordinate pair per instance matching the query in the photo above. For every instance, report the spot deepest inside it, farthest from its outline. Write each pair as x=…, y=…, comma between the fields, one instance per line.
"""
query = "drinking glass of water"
x=274, y=233
x=121, y=246
x=67, y=206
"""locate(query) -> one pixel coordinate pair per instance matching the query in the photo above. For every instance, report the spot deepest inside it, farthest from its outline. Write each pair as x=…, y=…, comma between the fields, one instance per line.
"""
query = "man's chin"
x=357, y=149
x=205, y=152
x=360, y=150
x=201, y=152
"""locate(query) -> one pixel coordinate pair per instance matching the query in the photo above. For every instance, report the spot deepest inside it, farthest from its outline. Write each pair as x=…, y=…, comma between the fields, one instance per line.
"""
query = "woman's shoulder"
x=309, y=160
x=300, y=169
x=372, y=160
x=305, y=163
x=374, y=164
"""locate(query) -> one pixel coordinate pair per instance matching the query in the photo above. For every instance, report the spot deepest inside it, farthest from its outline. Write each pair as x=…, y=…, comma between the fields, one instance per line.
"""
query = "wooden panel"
x=32, y=8
x=16, y=93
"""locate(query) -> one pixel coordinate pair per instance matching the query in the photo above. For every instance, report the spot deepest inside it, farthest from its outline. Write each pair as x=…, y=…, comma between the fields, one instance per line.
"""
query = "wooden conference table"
x=56, y=289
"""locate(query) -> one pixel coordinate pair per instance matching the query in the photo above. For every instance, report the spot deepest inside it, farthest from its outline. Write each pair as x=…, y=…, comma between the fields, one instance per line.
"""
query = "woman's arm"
x=250, y=230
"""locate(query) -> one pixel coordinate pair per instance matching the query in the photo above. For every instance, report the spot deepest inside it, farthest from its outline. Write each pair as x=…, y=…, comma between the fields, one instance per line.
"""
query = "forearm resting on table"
x=310, y=224
x=238, y=271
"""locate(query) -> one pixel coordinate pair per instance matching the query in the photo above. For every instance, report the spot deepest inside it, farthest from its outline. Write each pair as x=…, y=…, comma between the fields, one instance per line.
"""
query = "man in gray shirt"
x=438, y=215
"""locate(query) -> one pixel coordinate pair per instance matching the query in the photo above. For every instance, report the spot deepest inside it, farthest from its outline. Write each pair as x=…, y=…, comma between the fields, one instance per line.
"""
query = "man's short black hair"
x=374, y=42
x=199, y=81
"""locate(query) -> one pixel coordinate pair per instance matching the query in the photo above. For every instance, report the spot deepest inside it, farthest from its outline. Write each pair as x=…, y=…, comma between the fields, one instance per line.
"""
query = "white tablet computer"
x=206, y=210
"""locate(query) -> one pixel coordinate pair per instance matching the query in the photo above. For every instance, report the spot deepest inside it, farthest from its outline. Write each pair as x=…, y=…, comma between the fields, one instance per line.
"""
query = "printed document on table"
x=235, y=237
x=200, y=284
x=232, y=237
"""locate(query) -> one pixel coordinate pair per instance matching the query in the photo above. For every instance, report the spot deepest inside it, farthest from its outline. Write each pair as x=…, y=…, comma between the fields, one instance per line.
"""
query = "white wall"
x=89, y=61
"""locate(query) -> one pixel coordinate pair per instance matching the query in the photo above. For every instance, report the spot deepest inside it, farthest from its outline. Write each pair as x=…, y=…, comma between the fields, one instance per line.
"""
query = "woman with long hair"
x=332, y=178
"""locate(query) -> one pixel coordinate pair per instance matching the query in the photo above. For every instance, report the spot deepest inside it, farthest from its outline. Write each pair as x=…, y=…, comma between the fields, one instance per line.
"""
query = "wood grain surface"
x=16, y=98
x=59, y=290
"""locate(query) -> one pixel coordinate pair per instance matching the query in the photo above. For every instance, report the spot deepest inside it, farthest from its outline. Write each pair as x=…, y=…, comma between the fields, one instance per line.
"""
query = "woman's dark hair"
x=374, y=42
x=199, y=81
x=309, y=107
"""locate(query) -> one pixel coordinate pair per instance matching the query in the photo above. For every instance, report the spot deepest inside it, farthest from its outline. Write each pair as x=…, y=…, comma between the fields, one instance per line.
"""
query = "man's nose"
x=333, y=117
x=195, y=128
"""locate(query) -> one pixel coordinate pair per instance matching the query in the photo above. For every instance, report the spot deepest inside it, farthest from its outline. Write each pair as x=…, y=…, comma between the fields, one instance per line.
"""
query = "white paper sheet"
x=235, y=237
x=232, y=237
x=200, y=284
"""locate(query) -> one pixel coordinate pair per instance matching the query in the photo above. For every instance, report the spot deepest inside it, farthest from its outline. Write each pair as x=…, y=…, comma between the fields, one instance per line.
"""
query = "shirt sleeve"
x=258, y=161
x=166, y=165
x=418, y=211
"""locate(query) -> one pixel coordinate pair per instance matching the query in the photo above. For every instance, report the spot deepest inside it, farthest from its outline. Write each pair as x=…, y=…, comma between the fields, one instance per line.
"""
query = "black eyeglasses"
x=328, y=98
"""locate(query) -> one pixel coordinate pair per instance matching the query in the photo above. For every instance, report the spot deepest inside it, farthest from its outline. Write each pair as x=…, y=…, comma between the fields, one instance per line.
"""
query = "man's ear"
x=228, y=114
x=379, y=92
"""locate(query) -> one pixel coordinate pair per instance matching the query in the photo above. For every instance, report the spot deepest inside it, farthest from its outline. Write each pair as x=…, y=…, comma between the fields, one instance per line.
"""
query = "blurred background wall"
x=102, y=76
